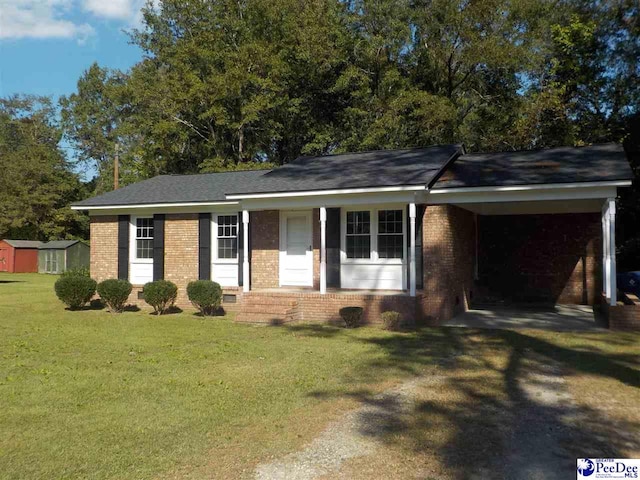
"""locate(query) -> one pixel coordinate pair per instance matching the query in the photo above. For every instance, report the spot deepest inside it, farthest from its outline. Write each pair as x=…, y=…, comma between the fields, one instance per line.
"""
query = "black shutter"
x=240, y=250
x=123, y=247
x=333, y=247
x=158, y=246
x=204, y=246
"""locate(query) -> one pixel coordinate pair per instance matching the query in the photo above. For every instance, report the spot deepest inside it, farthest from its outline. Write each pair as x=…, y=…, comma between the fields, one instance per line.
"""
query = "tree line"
x=243, y=84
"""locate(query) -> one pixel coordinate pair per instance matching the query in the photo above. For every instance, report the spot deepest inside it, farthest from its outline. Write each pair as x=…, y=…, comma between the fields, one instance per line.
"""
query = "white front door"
x=296, y=250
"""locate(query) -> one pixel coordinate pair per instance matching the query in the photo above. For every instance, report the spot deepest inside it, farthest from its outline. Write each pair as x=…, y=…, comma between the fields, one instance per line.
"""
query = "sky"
x=45, y=45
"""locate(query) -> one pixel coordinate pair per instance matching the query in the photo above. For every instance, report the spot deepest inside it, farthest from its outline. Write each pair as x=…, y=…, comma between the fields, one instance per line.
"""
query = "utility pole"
x=116, y=169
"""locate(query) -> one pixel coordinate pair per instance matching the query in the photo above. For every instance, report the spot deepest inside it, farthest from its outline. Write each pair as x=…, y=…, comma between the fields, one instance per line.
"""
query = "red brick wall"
x=621, y=317
x=104, y=247
x=181, y=252
x=265, y=246
x=448, y=254
x=540, y=258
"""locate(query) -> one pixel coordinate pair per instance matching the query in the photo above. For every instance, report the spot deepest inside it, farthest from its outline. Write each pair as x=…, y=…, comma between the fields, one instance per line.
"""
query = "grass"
x=90, y=394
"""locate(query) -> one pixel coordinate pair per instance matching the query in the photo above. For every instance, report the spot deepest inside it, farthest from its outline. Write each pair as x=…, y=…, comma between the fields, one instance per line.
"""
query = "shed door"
x=4, y=259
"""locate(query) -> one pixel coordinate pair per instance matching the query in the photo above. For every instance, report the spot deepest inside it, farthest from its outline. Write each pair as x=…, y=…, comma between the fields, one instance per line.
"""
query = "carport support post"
x=412, y=251
x=613, y=287
x=323, y=250
x=245, y=261
x=605, y=249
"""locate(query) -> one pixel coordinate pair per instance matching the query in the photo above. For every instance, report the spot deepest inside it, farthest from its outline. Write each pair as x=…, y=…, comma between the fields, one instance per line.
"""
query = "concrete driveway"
x=559, y=317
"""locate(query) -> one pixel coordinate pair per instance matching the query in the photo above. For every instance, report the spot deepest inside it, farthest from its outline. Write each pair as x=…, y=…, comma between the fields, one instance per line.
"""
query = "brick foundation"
x=313, y=307
x=448, y=252
x=621, y=317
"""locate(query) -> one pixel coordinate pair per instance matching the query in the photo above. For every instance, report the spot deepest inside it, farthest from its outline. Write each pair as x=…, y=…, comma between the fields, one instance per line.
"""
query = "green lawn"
x=89, y=394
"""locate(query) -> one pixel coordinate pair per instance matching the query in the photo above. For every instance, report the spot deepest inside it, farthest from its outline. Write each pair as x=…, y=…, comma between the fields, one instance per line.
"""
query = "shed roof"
x=594, y=163
x=58, y=244
x=23, y=243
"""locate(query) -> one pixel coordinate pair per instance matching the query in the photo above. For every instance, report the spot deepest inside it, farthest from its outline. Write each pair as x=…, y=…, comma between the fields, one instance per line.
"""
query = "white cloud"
x=40, y=19
x=113, y=9
x=64, y=18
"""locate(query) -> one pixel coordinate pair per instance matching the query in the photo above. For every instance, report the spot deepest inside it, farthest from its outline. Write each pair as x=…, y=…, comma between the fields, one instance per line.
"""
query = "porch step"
x=267, y=309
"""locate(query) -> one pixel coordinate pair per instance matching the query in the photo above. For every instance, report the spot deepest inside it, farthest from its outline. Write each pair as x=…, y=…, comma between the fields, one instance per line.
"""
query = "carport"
x=544, y=233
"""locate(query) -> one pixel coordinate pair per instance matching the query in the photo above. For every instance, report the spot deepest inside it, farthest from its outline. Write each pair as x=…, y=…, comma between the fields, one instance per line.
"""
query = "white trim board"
x=542, y=186
x=531, y=194
x=152, y=206
x=339, y=191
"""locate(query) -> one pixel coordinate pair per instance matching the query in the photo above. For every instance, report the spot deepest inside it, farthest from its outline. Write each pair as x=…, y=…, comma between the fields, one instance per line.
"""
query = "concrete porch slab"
x=559, y=317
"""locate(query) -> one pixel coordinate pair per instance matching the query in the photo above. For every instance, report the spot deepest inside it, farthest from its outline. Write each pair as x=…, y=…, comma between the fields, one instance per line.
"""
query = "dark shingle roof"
x=380, y=168
x=57, y=244
x=596, y=163
x=206, y=187
x=417, y=166
x=23, y=243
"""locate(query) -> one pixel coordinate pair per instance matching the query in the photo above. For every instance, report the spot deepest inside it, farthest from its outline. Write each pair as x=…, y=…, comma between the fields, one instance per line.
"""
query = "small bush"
x=75, y=291
x=76, y=272
x=161, y=295
x=205, y=295
x=351, y=316
x=114, y=293
x=391, y=320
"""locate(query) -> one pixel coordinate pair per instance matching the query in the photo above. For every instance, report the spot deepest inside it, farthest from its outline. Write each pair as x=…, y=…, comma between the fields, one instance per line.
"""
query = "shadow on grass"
x=11, y=281
x=500, y=407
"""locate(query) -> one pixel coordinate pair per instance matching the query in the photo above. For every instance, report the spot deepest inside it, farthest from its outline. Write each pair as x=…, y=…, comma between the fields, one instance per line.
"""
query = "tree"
x=37, y=184
x=94, y=118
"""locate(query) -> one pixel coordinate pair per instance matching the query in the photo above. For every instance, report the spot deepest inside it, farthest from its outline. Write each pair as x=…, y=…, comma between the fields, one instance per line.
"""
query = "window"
x=390, y=234
x=227, y=236
x=358, y=234
x=144, y=238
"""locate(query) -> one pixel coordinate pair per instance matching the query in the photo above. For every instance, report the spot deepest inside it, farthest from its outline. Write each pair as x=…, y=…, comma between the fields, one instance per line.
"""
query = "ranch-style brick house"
x=427, y=232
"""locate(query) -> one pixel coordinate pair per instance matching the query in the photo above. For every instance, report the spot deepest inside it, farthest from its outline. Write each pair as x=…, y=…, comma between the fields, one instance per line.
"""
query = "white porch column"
x=245, y=247
x=613, y=287
x=323, y=250
x=605, y=249
x=412, y=249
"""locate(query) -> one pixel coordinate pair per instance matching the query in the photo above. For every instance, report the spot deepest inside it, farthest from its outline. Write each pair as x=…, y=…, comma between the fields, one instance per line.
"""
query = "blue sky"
x=45, y=45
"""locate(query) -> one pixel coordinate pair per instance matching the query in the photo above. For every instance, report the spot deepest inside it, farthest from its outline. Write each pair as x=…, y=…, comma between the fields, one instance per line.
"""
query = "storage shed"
x=19, y=256
x=61, y=255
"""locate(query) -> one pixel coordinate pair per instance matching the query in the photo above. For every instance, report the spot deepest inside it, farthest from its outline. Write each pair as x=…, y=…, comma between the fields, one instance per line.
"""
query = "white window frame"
x=133, y=251
x=373, y=231
x=214, y=238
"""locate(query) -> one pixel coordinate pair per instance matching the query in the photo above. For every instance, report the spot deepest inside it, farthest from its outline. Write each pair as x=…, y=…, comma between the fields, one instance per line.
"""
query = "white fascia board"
x=150, y=205
x=161, y=208
x=547, y=186
x=525, y=193
x=382, y=198
x=315, y=193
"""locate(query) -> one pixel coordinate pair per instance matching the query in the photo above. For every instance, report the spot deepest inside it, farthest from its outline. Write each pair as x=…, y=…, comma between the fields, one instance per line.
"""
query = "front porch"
x=275, y=306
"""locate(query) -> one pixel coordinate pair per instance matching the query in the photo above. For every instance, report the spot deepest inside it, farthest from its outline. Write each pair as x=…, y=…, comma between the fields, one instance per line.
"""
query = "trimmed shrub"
x=351, y=316
x=75, y=291
x=160, y=294
x=205, y=295
x=114, y=293
x=391, y=320
x=76, y=272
